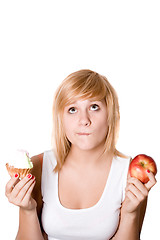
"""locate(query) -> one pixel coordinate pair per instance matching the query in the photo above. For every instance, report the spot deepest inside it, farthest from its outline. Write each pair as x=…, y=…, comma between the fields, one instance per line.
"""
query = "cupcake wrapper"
x=21, y=172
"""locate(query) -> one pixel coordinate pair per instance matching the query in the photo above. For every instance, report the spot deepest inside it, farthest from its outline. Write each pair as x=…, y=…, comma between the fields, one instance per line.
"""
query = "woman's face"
x=85, y=123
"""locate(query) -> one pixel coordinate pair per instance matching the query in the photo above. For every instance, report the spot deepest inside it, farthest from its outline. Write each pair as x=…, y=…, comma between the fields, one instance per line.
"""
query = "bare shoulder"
x=37, y=168
x=37, y=165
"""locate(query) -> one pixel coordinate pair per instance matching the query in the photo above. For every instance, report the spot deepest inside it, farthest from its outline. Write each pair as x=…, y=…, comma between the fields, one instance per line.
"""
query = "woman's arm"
x=133, y=209
x=36, y=193
x=19, y=193
x=29, y=227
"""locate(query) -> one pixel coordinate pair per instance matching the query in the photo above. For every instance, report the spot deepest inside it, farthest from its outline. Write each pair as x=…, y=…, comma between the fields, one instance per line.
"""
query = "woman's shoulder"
x=36, y=171
x=37, y=159
x=121, y=157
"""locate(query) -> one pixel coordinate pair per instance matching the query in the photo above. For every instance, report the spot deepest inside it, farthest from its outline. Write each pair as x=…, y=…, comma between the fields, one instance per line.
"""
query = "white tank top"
x=98, y=222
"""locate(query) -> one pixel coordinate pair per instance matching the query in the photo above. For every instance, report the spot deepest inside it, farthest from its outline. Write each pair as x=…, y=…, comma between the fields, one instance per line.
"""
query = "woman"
x=81, y=189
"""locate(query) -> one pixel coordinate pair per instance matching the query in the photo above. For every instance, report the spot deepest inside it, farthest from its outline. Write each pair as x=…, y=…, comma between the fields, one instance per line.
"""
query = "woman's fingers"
x=135, y=193
x=16, y=190
x=152, y=181
x=11, y=184
x=19, y=192
x=138, y=189
x=139, y=186
x=132, y=197
x=27, y=197
x=21, y=185
x=26, y=189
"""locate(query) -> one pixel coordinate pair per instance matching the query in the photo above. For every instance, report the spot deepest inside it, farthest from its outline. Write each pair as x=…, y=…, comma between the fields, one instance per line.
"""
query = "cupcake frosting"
x=20, y=159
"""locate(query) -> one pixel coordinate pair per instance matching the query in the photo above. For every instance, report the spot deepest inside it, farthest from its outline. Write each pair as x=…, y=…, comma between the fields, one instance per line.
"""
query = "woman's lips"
x=84, y=134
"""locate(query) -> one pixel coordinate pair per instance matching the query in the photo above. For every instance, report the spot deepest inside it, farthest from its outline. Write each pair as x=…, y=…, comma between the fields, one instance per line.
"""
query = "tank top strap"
x=48, y=165
x=125, y=175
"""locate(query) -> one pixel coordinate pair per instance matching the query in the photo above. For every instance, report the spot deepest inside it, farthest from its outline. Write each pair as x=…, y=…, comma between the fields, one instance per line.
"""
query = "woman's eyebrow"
x=90, y=100
x=71, y=103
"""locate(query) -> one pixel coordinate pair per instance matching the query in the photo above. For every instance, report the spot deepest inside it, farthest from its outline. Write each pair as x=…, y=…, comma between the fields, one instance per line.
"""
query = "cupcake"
x=20, y=163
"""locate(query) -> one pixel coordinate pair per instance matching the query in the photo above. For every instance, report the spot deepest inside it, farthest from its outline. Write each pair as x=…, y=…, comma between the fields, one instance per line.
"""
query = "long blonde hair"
x=83, y=84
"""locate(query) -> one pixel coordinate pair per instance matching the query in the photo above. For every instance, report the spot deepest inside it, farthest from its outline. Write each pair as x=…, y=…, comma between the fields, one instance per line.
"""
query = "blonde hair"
x=83, y=84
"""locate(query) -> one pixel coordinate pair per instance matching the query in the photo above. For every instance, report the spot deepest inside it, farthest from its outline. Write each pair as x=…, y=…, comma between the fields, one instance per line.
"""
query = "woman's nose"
x=84, y=119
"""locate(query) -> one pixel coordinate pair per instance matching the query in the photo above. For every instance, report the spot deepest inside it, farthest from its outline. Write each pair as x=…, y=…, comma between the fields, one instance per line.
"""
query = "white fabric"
x=98, y=222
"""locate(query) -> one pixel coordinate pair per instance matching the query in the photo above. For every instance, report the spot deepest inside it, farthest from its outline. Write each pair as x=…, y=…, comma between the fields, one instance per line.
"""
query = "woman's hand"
x=136, y=193
x=19, y=192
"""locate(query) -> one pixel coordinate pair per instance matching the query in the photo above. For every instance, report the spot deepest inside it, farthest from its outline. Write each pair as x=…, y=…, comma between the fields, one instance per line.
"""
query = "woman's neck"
x=86, y=158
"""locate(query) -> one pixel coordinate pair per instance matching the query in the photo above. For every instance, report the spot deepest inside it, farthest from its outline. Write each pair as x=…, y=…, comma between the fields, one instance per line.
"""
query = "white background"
x=42, y=42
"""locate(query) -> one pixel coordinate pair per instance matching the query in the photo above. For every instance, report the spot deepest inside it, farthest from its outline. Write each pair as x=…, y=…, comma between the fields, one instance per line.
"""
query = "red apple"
x=139, y=166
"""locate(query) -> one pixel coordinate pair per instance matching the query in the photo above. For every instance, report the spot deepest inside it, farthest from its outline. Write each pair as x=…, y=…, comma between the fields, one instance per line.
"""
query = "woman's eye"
x=94, y=107
x=72, y=110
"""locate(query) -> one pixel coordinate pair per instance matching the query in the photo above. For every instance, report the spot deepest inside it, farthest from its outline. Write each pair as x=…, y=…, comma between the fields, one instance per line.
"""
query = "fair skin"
x=89, y=120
